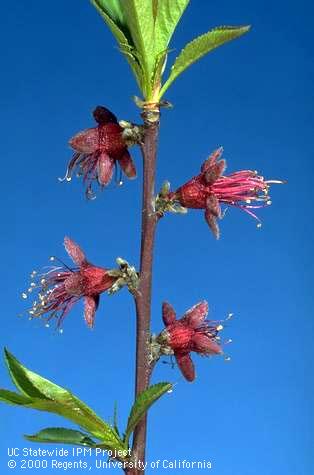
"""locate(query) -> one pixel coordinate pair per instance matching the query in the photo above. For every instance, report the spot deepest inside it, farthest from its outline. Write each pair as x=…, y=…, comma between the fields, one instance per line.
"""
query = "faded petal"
x=212, y=223
x=186, y=365
x=90, y=307
x=212, y=159
x=197, y=314
x=127, y=165
x=105, y=168
x=205, y=344
x=102, y=115
x=86, y=141
x=213, y=206
x=168, y=314
x=74, y=251
x=215, y=171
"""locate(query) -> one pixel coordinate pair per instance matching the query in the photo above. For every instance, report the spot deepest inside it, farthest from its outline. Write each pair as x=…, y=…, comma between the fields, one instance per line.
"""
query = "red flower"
x=97, y=151
x=211, y=188
x=61, y=287
x=191, y=333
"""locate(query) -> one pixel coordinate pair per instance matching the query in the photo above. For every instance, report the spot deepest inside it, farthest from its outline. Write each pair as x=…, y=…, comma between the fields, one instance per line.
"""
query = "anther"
x=259, y=225
x=227, y=358
x=219, y=328
x=24, y=295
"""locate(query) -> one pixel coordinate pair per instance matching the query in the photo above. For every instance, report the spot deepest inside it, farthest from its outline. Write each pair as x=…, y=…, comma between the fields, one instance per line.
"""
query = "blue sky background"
x=254, y=97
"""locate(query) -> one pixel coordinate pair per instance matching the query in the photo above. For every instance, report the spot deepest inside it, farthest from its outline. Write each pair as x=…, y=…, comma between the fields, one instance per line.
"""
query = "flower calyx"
x=125, y=275
x=132, y=134
x=166, y=201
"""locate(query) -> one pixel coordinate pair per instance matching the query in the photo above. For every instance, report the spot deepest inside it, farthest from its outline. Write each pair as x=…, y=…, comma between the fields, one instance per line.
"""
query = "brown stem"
x=143, y=296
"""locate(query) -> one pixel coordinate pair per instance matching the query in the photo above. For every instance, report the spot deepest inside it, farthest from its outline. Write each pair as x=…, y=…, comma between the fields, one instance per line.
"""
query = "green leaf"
x=122, y=35
x=142, y=404
x=139, y=17
x=11, y=397
x=160, y=64
x=168, y=16
x=61, y=435
x=113, y=10
x=202, y=45
x=41, y=394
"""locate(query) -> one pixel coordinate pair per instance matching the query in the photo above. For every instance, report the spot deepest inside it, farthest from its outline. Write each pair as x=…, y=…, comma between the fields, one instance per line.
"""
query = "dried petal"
x=90, y=307
x=186, y=366
x=204, y=344
x=212, y=223
x=102, y=115
x=105, y=168
x=212, y=205
x=74, y=251
x=127, y=165
x=86, y=141
x=168, y=313
x=196, y=315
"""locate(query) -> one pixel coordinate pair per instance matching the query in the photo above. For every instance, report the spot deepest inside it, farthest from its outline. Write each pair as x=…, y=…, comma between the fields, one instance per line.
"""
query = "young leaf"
x=139, y=17
x=142, y=404
x=168, y=14
x=60, y=435
x=41, y=394
x=202, y=45
x=11, y=397
x=113, y=10
x=122, y=35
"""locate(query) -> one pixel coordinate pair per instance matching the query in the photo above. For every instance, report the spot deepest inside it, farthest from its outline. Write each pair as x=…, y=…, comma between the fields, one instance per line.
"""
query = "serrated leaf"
x=200, y=46
x=41, y=394
x=168, y=14
x=142, y=404
x=60, y=435
x=139, y=17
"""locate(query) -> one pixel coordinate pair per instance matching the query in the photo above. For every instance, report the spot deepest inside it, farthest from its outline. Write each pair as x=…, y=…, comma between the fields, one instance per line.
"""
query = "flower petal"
x=186, y=365
x=86, y=141
x=212, y=159
x=215, y=171
x=102, y=115
x=105, y=168
x=127, y=165
x=212, y=204
x=212, y=223
x=168, y=314
x=196, y=315
x=205, y=344
x=74, y=251
x=91, y=304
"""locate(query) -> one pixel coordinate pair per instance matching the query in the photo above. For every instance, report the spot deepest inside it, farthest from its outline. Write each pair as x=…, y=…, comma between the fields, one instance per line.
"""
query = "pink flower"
x=98, y=150
x=62, y=286
x=191, y=333
x=211, y=188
